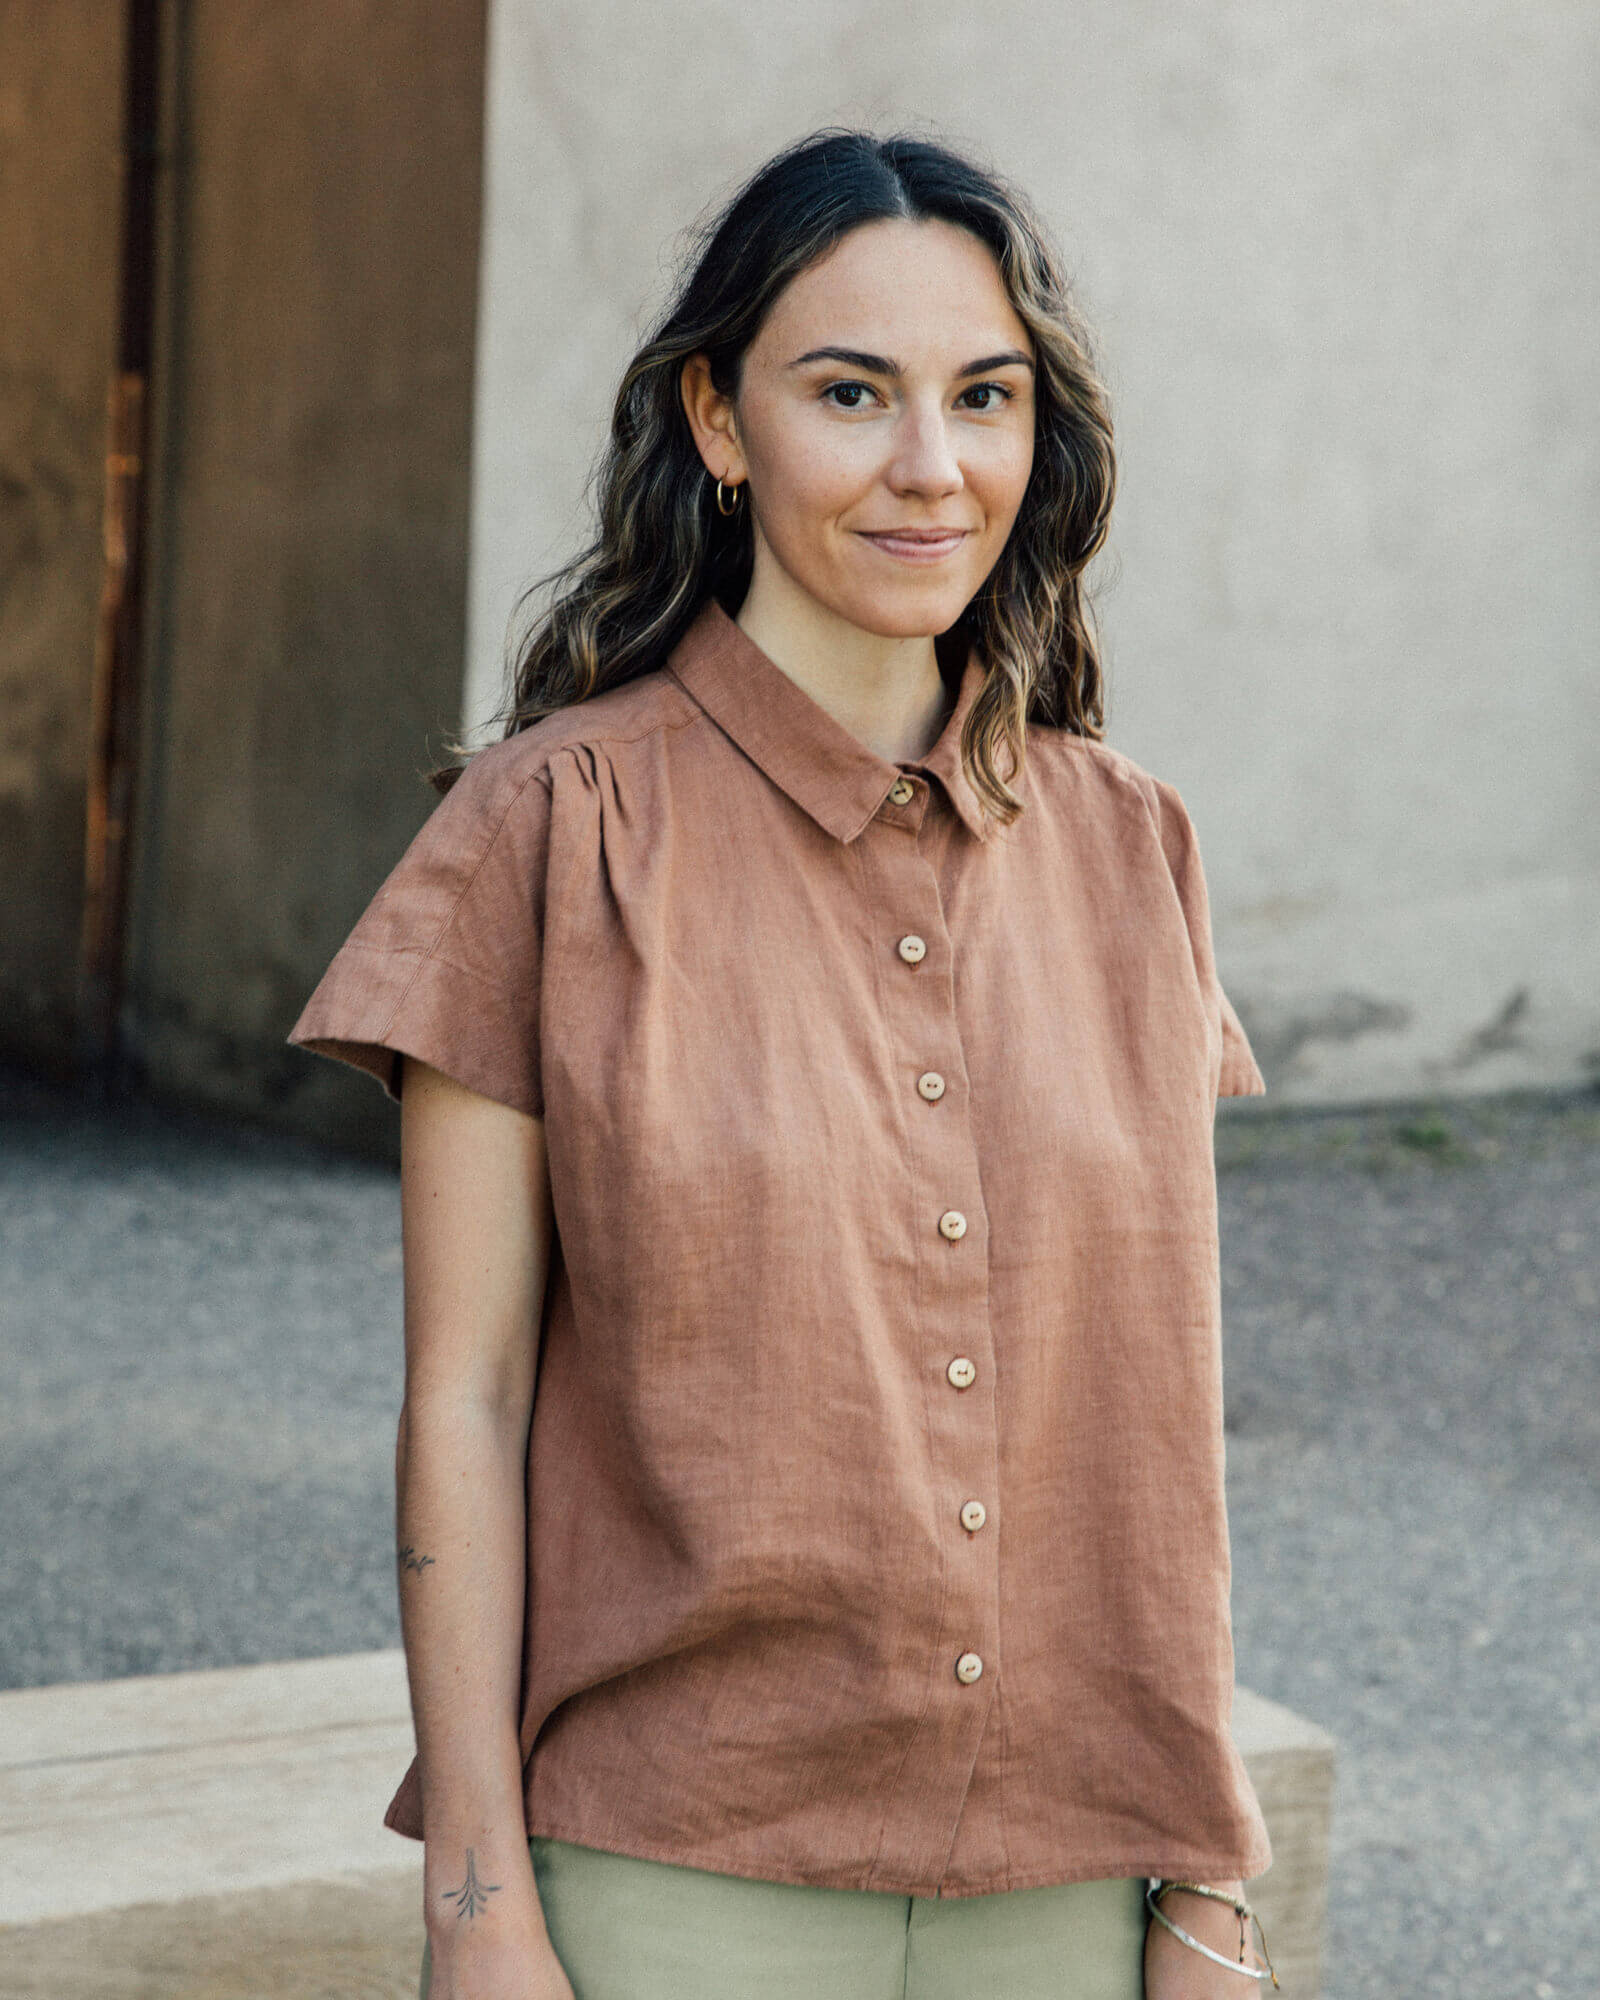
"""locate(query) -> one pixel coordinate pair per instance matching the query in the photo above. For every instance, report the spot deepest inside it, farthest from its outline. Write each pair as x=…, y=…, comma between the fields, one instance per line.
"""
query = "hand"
x=502, y=1962
x=1175, y=1971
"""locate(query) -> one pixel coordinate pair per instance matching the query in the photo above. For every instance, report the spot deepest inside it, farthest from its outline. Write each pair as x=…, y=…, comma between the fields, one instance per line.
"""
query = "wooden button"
x=952, y=1224
x=913, y=950
x=961, y=1372
x=968, y=1667
x=931, y=1084
x=973, y=1516
x=901, y=790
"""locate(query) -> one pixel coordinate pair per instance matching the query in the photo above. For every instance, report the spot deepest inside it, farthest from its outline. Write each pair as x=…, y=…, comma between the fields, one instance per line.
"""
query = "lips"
x=916, y=544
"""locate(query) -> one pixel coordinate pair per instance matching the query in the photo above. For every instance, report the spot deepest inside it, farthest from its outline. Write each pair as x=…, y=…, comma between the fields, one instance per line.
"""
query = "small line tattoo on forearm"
x=410, y=1559
x=473, y=1895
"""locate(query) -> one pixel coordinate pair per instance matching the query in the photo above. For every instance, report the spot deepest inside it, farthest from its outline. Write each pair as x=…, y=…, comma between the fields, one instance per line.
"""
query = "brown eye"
x=989, y=389
x=852, y=389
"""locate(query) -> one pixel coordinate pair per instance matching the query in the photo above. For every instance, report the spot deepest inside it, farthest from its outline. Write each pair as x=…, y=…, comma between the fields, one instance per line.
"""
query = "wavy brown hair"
x=662, y=547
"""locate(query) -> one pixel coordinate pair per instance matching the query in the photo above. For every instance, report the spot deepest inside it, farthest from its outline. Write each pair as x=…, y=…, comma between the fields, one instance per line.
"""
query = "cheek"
x=803, y=488
x=1000, y=481
x=1007, y=472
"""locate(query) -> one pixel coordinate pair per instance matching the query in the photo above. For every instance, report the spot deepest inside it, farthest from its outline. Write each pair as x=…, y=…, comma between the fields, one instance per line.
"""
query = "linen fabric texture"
x=839, y=1092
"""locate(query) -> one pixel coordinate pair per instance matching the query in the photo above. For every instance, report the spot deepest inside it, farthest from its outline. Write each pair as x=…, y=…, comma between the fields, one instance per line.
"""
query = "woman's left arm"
x=1174, y=1970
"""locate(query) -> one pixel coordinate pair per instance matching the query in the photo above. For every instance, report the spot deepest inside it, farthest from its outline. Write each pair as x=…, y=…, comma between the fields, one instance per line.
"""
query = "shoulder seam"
x=594, y=740
x=1116, y=761
x=655, y=729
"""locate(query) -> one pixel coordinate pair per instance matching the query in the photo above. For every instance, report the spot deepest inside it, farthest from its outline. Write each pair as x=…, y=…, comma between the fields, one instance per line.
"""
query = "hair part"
x=617, y=609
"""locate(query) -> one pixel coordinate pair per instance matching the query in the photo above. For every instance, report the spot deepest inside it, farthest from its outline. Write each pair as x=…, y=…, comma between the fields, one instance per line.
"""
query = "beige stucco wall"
x=1344, y=271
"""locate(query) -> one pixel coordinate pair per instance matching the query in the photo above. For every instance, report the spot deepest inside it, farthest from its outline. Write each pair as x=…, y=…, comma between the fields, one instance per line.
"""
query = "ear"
x=712, y=420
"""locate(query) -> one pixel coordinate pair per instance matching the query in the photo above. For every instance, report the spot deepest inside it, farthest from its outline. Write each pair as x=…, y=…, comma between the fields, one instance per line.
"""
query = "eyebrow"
x=878, y=364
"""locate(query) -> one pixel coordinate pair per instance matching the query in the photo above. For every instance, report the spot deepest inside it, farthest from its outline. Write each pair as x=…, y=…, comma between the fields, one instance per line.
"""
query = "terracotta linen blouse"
x=875, y=1515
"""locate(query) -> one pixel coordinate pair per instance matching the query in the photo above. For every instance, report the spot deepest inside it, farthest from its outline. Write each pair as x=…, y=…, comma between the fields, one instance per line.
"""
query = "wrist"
x=1212, y=1920
x=476, y=1884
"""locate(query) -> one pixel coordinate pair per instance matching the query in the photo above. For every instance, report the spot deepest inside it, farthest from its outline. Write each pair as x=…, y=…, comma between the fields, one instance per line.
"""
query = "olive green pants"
x=629, y=1929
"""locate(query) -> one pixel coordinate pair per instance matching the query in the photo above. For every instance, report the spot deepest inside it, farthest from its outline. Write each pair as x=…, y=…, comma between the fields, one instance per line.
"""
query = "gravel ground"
x=199, y=1337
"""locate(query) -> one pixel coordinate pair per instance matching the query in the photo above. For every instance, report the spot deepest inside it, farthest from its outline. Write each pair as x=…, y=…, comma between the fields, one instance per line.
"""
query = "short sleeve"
x=444, y=963
x=1240, y=1074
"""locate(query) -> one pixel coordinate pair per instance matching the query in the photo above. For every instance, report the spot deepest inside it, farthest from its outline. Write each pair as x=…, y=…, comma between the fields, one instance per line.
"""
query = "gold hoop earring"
x=727, y=512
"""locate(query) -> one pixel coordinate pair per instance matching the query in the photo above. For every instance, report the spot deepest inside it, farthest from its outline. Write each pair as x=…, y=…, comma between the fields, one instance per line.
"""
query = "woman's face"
x=884, y=426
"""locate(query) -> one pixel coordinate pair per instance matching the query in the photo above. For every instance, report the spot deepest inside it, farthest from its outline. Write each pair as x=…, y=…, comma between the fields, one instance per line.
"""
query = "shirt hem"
x=1245, y=1865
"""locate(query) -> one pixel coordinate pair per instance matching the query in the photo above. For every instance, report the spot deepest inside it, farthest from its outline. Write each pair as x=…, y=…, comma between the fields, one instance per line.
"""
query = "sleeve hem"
x=1241, y=1074
x=415, y=1011
x=1241, y=1078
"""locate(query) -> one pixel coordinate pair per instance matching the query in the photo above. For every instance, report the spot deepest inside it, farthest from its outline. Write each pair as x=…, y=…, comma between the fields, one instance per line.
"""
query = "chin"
x=902, y=614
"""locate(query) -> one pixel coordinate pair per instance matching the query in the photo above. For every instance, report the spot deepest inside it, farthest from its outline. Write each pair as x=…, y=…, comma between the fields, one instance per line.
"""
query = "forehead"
x=897, y=287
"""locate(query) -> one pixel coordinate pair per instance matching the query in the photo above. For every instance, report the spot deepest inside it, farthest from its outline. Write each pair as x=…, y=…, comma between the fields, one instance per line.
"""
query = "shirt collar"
x=826, y=770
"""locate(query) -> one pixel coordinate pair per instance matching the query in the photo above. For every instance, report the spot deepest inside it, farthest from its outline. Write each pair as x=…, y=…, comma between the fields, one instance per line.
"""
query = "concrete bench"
x=218, y=1836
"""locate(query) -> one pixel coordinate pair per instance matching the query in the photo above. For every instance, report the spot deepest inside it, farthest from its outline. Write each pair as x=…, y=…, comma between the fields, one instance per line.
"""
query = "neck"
x=887, y=691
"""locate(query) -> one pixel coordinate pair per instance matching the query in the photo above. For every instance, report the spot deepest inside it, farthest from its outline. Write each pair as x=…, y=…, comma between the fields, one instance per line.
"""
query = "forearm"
x=461, y=1552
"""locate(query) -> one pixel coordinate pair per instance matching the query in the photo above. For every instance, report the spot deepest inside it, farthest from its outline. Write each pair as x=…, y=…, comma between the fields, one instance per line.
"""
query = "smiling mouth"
x=916, y=544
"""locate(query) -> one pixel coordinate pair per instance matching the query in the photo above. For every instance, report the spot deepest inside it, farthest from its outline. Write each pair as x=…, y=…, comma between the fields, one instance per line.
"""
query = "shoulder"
x=1094, y=767
x=518, y=771
x=1112, y=789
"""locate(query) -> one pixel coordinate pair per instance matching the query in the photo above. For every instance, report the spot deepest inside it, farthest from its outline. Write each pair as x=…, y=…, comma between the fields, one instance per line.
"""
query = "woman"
x=808, y=1041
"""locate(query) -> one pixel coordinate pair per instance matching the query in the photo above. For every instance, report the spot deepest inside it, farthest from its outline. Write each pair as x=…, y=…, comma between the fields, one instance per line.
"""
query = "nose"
x=924, y=462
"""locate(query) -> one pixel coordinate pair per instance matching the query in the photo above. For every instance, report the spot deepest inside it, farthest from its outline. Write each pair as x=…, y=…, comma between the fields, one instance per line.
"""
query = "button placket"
x=953, y=1343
